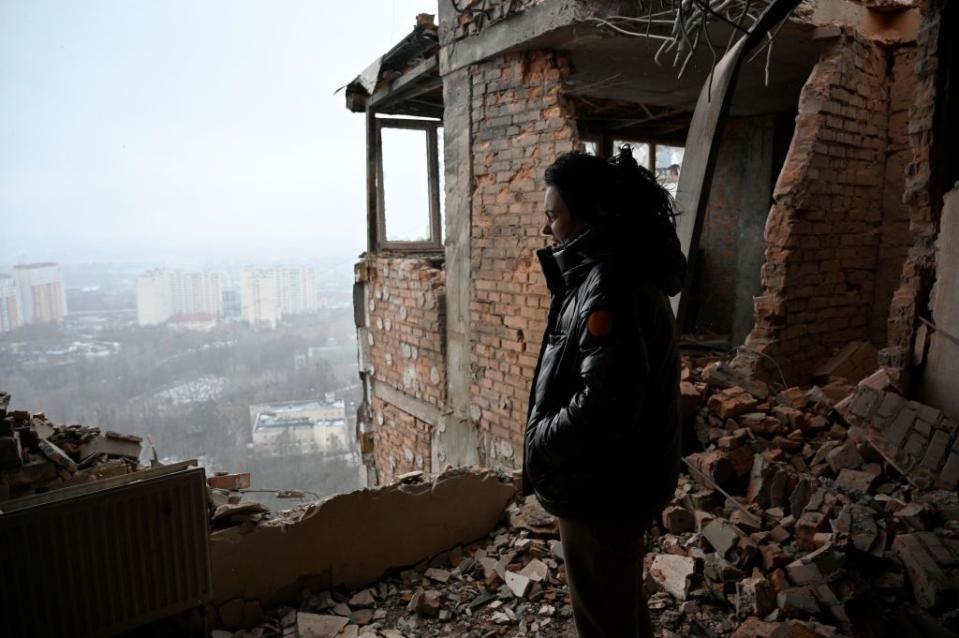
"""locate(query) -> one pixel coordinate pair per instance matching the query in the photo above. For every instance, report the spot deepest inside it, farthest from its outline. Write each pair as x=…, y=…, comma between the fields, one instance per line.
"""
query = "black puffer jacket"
x=602, y=437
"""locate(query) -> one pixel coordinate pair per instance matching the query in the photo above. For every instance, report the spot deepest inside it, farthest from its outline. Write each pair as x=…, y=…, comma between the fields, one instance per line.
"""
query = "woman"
x=602, y=441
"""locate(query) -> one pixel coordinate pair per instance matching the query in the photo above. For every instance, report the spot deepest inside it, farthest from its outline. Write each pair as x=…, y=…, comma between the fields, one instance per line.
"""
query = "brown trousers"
x=604, y=571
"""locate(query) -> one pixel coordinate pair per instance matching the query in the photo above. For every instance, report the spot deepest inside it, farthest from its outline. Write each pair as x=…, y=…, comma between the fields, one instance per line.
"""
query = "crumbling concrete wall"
x=520, y=124
x=732, y=239
x=825, y=229
x=939, y=383
x=350, y=539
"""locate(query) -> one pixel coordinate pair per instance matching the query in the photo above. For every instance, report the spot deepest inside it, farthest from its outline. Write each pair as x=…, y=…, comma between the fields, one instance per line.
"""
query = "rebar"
x=682, y=25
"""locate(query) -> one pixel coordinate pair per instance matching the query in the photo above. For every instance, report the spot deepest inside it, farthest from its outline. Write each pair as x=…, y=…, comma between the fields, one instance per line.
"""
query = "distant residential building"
x=266, y=294
x=300, y=427
x=260, y=297
x=162, y=294
x=11, y=317
x=43, y=297
x=297, y=288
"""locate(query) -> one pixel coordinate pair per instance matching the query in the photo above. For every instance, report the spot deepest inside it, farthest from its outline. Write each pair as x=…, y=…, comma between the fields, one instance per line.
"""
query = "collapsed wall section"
x=827, y=228
x=918, y=270
x=520, y=124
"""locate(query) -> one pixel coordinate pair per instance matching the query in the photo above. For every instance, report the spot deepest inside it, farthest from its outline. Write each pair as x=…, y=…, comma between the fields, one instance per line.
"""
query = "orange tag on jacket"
x=600, y=323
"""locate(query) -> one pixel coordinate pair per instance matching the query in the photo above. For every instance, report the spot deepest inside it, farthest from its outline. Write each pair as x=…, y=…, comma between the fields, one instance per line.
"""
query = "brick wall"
x=401, y=442
x=407, y=324
x=823, y=232
x=520, y=124
x=406, y=333
x=918, y=269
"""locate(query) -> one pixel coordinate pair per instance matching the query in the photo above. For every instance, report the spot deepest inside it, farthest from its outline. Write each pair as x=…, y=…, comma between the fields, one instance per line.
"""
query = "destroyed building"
x=819, y=497
x=823, y=204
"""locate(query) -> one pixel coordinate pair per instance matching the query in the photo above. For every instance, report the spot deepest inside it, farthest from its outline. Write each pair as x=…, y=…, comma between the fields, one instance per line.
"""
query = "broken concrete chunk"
x=536, y=570
x=673, y=573
x=319, y=625
x=439, y=575
x=58, y=456
x=113, y=445
x=722, y=535
x=362, y=599
x=517, y=583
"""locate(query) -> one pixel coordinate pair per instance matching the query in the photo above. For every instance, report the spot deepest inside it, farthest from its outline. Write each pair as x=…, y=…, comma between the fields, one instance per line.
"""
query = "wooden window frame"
x=376, y=201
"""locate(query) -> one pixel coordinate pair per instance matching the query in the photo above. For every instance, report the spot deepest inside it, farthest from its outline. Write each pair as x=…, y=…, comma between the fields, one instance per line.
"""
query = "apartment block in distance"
x=43, y=297
x=11, y=316
x=260, y=297
x=164, y=294
x=269, y=293
x=297, y=289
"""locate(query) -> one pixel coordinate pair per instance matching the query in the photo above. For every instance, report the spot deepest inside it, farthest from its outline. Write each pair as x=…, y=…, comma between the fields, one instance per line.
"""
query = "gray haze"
x=135, y=130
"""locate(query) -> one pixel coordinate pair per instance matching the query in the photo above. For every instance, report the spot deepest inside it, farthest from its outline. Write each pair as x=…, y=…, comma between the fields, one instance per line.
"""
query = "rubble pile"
x=38, y=456
x=226, y=505
x=832, y=507
x=510, y=583
x=826, y=512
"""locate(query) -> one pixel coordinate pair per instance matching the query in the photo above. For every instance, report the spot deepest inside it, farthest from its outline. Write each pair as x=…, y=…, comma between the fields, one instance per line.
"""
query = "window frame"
x=377, y=202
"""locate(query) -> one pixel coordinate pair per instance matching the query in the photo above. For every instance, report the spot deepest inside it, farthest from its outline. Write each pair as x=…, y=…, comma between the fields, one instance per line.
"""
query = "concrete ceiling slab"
x=623, y=68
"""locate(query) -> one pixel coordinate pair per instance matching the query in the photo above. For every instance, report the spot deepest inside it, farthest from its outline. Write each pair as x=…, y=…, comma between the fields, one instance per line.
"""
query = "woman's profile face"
x=560, y=224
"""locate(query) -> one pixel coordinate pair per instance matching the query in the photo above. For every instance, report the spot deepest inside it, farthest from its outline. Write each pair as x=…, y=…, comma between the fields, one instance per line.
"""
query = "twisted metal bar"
x=681, y=26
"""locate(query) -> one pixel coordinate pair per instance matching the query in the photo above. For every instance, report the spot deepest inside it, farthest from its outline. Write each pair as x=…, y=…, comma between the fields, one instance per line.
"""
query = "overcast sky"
x=185, y=129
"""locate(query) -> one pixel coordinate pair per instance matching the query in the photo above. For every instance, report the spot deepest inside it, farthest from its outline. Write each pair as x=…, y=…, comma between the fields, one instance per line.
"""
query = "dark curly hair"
x=623, y=199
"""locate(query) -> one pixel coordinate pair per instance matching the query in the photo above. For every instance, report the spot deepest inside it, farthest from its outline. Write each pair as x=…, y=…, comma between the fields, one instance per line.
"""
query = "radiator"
x=98, y=561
